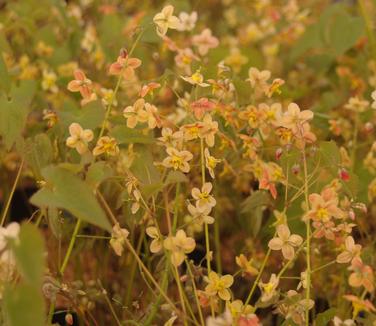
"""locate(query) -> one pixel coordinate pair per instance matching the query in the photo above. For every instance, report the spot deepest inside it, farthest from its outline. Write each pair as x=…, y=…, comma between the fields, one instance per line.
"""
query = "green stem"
x=109, y=107
x=7, y=205
x=257, y=278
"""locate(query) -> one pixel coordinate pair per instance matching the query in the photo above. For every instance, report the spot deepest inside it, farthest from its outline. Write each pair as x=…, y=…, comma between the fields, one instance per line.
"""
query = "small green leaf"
x=175, y=177
x=5, y=81
x=322, y=319
x=29, y=254
x=66, y=191
x=24, y=305
x=125, y=135
x=14, y=111
x=97, y=173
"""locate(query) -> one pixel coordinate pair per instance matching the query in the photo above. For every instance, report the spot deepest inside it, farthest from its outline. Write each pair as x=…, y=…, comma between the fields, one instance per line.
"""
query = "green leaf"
x=29, y=254
x=125, y=135
x=38, y=153
x=252, y=209
x=89, y=116
x=14, y=111
x=97, y=173
x=66, y=191
x=175, y=177
x=322, y=319
x=5, y=81
x=23, y=306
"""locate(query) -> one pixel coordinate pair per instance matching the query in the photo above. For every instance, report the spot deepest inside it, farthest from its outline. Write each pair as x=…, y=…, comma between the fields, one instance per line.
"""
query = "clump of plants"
x=187, y=163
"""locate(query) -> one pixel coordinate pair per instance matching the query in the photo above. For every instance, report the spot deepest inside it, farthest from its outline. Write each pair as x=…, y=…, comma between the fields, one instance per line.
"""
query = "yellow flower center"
x=176, y=161
x=268, y=288
x=322, y=213
x=197, y=78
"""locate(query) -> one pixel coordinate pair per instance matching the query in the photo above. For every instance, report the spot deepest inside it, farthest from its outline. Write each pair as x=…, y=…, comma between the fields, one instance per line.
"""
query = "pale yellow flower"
x=208, y=130
x=156, y=244
x=210, y=162
x=201, y=214
x=136, y=113
x=179, y=245
x=106, y=145
x=268, y=290
x=351, y=251
x=203, y=197
x=285, y=241
x=118, y=237
x=219, y=285
x=196, y=79
x=79, y=138
x=178, y=160
x=165, y=20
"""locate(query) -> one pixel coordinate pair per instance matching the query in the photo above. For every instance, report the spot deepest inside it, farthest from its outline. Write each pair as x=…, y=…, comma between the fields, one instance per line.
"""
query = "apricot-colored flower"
x=208, y=130
x=293, y=118
x=149, y=88
x=136, y=113
x=165, y=20
x=170, y=138
x=351, y=251
x=79, y=137
x=179, y=245
x=285, y=241
x=362, y=275
x=201, y=106
x=219, y=285
x=106, y=145
x=118, y=237
x=205, y=41
x=203, y=197
x=83, y=85
x=125, y=65
x=178, y=160
x=324, y=206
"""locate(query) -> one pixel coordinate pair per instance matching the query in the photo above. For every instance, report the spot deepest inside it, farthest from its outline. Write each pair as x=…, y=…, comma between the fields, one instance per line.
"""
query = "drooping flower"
x=149, y=88
x=165, y=20
x=210, y=162
x=178, y=160
x=118, y=237
x=179, y=245
x=196, y=79
x=268, y=290
x=106, y=145
x=246, y=265
x=79, y=138
x=157, y=243
x=203, y=197
x=351, y=251
x=285, y=241
x=205, y=41
x=219, y=285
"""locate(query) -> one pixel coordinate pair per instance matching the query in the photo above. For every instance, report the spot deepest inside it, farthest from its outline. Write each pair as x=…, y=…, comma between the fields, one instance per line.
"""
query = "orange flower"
x=83, y=85
x=125, y=65
x=362, y=275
